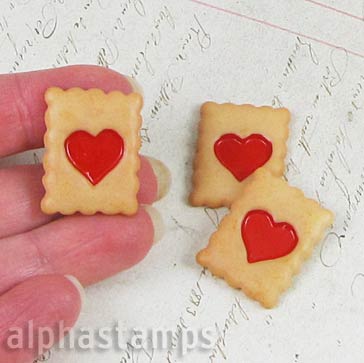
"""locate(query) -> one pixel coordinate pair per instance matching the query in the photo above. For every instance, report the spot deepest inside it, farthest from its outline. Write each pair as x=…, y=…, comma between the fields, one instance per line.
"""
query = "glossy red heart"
x=94, y=156
x=243, y=156
x=264, y=239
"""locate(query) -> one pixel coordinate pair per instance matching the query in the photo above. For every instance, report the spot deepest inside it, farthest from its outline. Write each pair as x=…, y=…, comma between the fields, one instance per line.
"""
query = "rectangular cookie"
x=271, y=229
x=234, y=141
x=92, y=144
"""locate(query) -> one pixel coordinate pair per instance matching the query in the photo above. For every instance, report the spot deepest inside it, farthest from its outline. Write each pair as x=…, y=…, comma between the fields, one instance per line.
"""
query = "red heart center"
x=243, y=156
x=264, y=239
x=94, y=156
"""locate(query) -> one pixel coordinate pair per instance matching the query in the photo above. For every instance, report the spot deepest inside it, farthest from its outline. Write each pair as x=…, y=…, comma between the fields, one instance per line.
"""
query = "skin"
x=39, y=250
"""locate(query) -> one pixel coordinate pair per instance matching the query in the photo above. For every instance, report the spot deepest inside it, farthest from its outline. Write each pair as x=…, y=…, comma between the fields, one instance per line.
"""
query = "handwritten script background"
x=305, y=55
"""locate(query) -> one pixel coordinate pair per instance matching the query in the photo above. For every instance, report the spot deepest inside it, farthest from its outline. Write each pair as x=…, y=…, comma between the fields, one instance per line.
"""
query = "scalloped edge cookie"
x=264, y=281
x=93, y=110
x=213, y=185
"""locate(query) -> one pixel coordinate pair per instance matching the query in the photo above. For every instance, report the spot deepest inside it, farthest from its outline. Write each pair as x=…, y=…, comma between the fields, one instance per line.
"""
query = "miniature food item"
x=92, y=144
x=271, y=229
x=234, y=141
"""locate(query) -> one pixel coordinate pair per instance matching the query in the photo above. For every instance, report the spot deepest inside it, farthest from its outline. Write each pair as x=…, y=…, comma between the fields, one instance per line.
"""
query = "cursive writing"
x=175, y=74
x=233, y=318
x=153, y=40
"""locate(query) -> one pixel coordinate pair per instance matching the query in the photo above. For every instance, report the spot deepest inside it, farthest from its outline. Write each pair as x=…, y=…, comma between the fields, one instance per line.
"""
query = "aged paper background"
x=305, y=55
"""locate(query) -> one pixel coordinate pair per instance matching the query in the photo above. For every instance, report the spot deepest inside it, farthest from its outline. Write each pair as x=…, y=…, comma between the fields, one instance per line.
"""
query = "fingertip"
x=148, y=191
x=77, y=284
x=163, y=176
x=157, y=221
x=65, y=293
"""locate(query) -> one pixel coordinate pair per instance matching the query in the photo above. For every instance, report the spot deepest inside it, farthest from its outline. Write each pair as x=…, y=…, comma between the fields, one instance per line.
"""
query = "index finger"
x=22, y=104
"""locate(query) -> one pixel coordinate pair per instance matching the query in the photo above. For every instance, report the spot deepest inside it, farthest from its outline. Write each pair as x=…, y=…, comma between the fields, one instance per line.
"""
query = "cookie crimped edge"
x=210, y=107
x=294, y=265
x=50, y=96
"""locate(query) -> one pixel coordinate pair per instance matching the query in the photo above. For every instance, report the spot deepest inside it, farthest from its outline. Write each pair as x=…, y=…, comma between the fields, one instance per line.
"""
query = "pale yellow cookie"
x=92, y=144
x=271, y=229
x=234, y=141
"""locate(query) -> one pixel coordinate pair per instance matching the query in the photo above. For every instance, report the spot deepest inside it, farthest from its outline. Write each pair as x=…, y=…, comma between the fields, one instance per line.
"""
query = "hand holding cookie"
x=38, y=249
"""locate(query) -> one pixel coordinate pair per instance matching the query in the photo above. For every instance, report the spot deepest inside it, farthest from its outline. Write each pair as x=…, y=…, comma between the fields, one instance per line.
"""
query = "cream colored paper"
x=307, y=56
